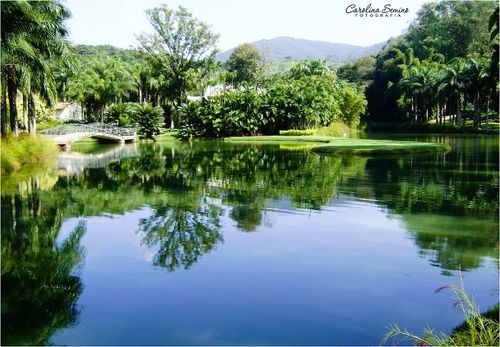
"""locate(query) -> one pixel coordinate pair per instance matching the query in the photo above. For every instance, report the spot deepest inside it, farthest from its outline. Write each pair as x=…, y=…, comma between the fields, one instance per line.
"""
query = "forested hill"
x=289, y=48
x=127, y=55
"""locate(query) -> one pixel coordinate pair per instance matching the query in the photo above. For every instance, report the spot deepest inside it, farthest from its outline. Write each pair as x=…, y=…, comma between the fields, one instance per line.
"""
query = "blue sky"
x=116, y=22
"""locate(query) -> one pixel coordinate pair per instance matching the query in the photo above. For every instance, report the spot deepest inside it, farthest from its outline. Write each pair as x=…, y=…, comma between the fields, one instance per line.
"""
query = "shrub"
x=232, y=113
x=295, y=132
x=146, y=118
x=117, y=114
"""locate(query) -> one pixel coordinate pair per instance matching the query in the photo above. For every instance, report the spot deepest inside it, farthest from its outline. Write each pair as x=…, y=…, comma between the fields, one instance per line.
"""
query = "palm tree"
x=32, y=31
x=452, y=85
x=99, y=83
x=412, y=86
x=477, y=79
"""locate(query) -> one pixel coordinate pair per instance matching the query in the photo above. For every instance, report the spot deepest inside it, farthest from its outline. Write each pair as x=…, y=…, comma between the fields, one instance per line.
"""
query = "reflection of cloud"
x=146, y=255
x=142, y=252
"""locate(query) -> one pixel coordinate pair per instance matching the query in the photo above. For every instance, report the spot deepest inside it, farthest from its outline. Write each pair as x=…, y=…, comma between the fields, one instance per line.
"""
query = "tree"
x=452, y=28
x=180, y=47
x=245, y=64
x=452, y=84
x=477, y=81
x=99, y=83
x=32, y=31
x=361, y=72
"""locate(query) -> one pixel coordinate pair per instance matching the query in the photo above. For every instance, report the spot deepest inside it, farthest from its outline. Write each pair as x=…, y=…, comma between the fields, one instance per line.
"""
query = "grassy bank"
x=25, y=150
x=335, y=145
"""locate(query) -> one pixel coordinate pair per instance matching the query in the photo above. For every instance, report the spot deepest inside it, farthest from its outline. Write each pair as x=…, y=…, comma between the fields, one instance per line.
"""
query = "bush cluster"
x=145, y=117
x=295, y=132
x=307, y=96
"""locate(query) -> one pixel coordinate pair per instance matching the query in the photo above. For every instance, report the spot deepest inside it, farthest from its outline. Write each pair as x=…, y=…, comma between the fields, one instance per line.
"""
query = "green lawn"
x=337, y=145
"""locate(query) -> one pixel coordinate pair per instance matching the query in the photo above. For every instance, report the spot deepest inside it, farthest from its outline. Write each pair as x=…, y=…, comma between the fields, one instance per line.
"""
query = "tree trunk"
x=3, y=115
x=477, y=113
x=31, y=115
x=487, y=111
x=12, y=90
x=414, y=100
x=140, y=94
x=25, y=111
x=459, y=112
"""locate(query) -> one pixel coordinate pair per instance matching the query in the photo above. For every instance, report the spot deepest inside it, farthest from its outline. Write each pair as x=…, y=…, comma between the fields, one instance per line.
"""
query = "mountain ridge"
x=289, y=48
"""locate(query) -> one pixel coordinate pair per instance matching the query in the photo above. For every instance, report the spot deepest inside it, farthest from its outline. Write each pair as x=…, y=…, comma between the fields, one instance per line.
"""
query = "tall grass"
x=477, y=330
x=336, y=129
x=24, y=150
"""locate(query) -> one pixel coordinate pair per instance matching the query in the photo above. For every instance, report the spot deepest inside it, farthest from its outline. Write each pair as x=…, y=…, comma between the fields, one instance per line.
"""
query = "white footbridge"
x=64, y=135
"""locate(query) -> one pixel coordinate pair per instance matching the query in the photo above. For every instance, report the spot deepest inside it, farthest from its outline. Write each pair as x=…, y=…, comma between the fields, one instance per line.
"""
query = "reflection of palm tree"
x=39, y=288
x=183, y=232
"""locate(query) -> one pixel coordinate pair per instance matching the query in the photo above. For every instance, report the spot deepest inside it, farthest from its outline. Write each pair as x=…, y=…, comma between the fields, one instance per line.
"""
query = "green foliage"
x=307, y=96
x=245, y=65
x=116, y=114
x=441, y=69
x=32, y=34
x=181, y=48
x=451, y=28
x=233, y=112
x=91, y=51
x=17, y=152
x=146, y=118
x=99, y=82
x=352, y=104
x=51, y=123
x=477, y=330
x=361, y=72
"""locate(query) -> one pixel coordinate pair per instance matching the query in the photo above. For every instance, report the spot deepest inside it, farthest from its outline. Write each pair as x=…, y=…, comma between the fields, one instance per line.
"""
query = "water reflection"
x=40, y=282
x=182, y=231
x=448, y=203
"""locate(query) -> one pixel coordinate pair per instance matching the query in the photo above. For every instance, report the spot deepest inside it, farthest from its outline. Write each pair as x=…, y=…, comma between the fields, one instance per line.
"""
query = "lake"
x=217, y=243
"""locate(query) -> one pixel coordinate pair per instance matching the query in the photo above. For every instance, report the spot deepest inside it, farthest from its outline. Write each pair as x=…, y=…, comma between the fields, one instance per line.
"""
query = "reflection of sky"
x=340, y=277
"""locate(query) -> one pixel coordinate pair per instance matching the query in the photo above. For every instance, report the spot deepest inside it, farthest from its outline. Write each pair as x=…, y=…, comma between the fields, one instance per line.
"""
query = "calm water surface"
x=213, y=243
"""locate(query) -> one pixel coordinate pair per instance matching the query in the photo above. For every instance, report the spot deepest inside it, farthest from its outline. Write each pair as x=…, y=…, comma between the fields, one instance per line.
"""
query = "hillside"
x=88, y=51
x=289, y=48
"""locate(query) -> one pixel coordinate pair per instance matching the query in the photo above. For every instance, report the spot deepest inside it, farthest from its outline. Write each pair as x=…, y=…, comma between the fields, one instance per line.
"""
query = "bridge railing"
x=100, y=128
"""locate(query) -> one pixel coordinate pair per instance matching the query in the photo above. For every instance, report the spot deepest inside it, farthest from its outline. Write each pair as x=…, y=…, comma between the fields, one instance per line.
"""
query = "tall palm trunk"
x=487, y=111
x=477, y=114
x=12, y=90
x=459, y=112
x=63, y=91
x=31, y=115
x=3, y=115
x=25, y=111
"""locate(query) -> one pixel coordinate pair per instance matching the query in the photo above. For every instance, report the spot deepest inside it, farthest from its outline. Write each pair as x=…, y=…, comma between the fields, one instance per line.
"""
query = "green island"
x=197, y=189
x=335, y=145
